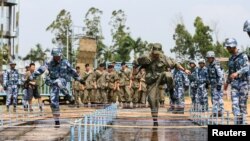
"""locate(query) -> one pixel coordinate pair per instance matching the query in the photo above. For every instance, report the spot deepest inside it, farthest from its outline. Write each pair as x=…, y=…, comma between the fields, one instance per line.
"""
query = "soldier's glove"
x=218, y=87
x=82, y=81
x=206, y=85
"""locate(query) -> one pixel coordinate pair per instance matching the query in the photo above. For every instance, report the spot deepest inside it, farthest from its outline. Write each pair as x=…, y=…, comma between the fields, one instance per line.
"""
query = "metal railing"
x=202, y=116
x=93, y=125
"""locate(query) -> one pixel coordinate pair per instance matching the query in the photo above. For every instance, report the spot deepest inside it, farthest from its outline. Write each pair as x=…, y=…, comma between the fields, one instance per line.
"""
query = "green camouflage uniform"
x=124, y=92
x=90, y=79
x=78, y=89
x=101, y=92
x=143, y=88
x=156, y=74
x=112, y=80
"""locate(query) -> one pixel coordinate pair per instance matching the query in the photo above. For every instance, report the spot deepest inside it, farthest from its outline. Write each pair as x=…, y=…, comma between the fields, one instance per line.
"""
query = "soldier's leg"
x=15, y=95
x=62, y=85
x=113, y=96
x=204, y=98
x=121, y=95
x=9, y=96
x=162, y=96
x=104, y=95
x=153, y=100
x=85, y=96
x=54, y=105
x=143, y=98
x=243, y=96
x=92, y=96
x=127, y=95
x=136, y=97
x=180, y=101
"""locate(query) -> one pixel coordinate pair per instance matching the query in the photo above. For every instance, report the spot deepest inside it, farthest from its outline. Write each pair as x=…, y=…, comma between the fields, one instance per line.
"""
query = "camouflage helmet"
x=135, y=63
x=210, y=54
x=156, y=48
x=202, y=61
x=12, y=63
x=192, y=62
x=246, y=27
x=230, y=42
x=56, y=52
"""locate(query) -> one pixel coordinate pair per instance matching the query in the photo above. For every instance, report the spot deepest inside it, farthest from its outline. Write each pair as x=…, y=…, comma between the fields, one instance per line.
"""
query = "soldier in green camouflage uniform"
x=135, y=84
x=90, y=85
x=78, y=89
x=112, y=80
x=142, y=88
x=156, y=64
x=101, y=94
x=124, y=85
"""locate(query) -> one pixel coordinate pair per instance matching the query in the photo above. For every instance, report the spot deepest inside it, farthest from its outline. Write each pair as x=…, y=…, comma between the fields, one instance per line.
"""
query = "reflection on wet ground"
x=142, y=130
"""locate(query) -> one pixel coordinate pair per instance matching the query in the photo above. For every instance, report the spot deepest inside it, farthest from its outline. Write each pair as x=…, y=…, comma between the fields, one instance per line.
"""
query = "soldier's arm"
x=40, y=71
x=173, y=64
x=245, y=66
x=72, y=71
x=219, y=75
x=5, y=78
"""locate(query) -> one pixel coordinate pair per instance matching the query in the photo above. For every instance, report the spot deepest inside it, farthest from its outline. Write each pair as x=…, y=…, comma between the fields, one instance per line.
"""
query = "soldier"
x=181, y=83
x=90, y=85
x=60, y=72
x=135, y=80
x=78, y=89
x=112, y=80
x=101, y=84
x=246, y=28
x=25, y=93
x=11, y=84
x=124, y=94
x=202, y=85
x=155, y=65
x=215, y=80
x=237, y=77
x=142, y=88
x=193, y=78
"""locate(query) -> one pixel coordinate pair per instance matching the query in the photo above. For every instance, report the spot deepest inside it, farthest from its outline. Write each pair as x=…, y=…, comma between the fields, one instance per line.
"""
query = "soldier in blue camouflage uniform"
x=60, y=72
x=156, y=64
x=215, y=80
x=181, y=84
x=246, y=28
x=238, y=78
x=193, y=78
x=202, y=85
x=11, y=84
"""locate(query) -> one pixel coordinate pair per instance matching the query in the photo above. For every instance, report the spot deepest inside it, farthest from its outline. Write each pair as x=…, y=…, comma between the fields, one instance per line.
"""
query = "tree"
x=202, y=38
x=184, y=43
x=120, y=36
x=62, y=28
x=37, y=54
x=94, y=29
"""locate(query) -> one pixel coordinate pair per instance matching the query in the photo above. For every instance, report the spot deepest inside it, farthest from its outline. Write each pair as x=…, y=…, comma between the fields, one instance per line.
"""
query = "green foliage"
x=62, y=29
x=93, y=28
x=196, y=46
x=184, y=43
x=202, y=38
x=37, y=54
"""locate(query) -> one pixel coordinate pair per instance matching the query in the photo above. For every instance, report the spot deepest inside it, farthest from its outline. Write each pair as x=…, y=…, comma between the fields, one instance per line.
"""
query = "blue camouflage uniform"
x=215, y=77
x=181, y=81
x=59, y=74
x=12, y=82
x=239, y=86
x=202, y=91
x=193, y=78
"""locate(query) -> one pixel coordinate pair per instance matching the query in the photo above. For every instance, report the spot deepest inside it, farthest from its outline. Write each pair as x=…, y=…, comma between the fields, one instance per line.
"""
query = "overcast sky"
x=152, y=20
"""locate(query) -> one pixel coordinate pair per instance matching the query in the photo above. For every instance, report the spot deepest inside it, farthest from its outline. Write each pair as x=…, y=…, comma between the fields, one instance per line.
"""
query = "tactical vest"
x=202, y=73
x=59, y=70
x=12, y=77
x=235, y=64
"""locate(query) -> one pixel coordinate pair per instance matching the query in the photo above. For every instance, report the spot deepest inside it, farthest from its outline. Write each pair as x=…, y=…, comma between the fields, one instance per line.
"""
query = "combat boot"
x=57, y=124
x=171, y=109
x=239, y=120
x=155, y=122
x=220, y=114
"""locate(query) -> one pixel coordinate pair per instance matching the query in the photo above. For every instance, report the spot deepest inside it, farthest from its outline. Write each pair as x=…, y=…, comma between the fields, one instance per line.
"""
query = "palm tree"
x=37, y=54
